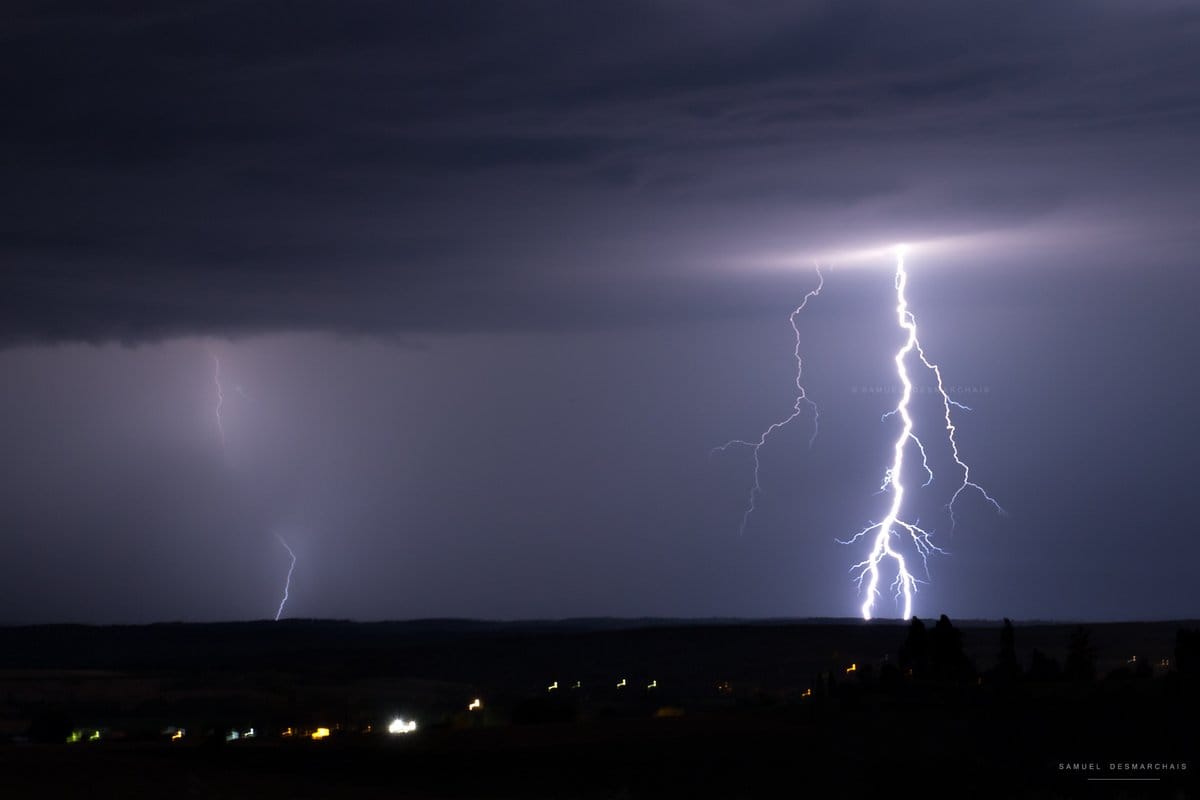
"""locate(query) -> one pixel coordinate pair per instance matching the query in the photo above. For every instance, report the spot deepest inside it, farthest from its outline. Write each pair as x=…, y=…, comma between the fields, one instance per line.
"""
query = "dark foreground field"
x=641, y=709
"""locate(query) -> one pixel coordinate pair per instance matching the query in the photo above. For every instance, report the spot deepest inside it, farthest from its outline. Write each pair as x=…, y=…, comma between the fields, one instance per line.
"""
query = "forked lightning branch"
x=896, y=535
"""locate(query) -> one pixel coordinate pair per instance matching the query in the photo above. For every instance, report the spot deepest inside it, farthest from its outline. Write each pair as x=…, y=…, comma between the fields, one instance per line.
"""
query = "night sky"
x=488, y=281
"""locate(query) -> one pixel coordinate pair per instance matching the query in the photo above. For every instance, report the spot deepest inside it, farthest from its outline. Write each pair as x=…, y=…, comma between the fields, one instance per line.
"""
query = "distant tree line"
x=934, y=658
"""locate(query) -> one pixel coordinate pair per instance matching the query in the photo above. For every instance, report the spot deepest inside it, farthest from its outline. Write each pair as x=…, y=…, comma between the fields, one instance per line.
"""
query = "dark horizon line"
x=609, y=622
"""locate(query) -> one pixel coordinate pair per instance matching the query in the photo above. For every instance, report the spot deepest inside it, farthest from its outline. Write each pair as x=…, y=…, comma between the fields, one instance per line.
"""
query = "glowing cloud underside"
x=894, y=533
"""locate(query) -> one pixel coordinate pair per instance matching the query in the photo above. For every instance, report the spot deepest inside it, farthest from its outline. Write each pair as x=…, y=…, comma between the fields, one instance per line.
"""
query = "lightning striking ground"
x=802, y=399
x=890, y=536
x=219, y=390
x=894, y=527
x=288, y=583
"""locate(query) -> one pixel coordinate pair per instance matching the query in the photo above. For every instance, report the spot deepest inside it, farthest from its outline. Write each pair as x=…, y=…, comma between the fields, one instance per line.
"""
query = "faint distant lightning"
x=288, y=583
x=905, y=583
x=220, y=402
x=801, y=400
x=220, y=396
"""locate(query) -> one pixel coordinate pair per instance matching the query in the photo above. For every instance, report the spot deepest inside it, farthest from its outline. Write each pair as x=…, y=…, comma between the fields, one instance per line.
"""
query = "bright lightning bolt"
x=889, y=535
x=802, y=400
x=905, y=583
x=288, y=583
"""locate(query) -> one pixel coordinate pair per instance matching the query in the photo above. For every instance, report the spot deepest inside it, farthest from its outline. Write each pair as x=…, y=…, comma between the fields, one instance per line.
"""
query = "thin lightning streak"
x=950, y=435
x=288, y=584
x=220, y=394
x=220, y=397
x=801, y=400
x=905, y=583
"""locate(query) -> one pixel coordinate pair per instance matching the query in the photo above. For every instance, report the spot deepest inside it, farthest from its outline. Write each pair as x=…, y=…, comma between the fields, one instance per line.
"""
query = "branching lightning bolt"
x=905, y=583
x=802, y=400
x=967, y=483
x=288, y=583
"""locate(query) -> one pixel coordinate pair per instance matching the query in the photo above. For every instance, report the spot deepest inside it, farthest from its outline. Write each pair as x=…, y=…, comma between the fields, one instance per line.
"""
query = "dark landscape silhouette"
x=599, y=708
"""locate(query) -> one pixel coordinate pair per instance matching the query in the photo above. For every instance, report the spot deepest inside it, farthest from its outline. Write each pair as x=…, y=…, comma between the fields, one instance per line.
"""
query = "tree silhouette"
x=948, y=662
x=891, y=680
x=1008, y=669
x=1043, y=668
x=1142, y=670
x=1187, y=653
x=914, y=653
x=1081, y=656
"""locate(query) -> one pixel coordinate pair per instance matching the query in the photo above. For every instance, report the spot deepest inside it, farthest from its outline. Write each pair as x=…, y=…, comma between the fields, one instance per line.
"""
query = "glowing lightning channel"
x=967, y=483
x=802, y=399
x=905, y=584
x=220, y=396
x=287, y=584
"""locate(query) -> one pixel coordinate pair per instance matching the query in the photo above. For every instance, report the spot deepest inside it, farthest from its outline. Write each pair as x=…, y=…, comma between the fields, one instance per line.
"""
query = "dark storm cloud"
x=598, y=216
x=219, y=168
